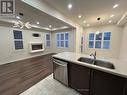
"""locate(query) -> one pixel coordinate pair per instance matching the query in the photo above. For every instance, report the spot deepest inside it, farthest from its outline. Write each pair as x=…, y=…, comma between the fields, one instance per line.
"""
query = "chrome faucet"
x=94, y=55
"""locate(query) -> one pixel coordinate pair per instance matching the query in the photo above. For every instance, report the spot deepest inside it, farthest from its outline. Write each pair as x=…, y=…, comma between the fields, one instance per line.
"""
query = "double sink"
x=101, y=63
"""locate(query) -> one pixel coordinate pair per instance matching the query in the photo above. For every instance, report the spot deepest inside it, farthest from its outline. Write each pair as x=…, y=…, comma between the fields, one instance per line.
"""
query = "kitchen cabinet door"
x=79, y=78
x=125, y=87
x=106, y=84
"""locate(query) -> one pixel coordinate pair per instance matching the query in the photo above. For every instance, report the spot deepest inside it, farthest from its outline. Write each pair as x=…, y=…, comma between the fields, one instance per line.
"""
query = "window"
x=48, y=40
x=99, y=40
x=18, y=39
x=62, y=40
x=91, y=40
x=106, y=40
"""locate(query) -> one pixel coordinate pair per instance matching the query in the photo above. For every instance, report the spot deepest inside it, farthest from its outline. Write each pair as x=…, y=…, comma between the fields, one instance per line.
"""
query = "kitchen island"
x=91, y=79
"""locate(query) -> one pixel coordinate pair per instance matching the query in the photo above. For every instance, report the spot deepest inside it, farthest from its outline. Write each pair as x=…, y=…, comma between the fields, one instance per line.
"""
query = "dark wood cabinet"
x=106, y=84
x=79, y=78
x=89, y=81
x=125, y=87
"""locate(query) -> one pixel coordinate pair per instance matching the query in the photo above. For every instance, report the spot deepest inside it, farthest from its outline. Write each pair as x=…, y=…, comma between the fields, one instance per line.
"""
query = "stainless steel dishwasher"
x=60, y=71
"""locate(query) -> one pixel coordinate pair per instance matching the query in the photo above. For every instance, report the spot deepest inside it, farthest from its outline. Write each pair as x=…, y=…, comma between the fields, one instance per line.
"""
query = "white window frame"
x=18, y=40
x=106, y=41
x=47, y=40
x=92, y=40
x=64, y=40
x=102, y=41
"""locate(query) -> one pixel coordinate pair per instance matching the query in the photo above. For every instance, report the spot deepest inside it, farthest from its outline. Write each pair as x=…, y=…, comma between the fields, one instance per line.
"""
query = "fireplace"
x=36, y=47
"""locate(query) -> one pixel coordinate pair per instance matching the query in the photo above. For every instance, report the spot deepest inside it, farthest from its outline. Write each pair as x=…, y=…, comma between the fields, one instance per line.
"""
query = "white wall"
x=116, y=36
x=123, y=49
x=72, y=40
x=42, y=6
x=7, y=49
x=79, y=33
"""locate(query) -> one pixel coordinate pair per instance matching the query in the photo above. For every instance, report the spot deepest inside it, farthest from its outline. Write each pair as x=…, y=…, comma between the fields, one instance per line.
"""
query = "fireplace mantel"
x=36, y=47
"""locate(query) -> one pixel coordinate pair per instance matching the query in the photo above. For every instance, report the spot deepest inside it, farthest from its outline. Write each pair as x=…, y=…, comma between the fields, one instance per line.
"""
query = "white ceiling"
x=34, y=15
x=90, y=10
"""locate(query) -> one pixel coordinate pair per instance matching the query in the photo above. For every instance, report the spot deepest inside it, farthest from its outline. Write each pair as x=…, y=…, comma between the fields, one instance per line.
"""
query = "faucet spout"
x=94, y=55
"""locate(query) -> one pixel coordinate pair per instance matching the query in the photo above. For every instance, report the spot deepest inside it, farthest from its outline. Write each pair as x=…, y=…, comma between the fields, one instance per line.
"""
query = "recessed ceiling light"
x=79, y=16
x=112, y=15
x=38, y=22
x=110, y=21
x=69, y=6
x=50, y=26
x=84, y=21
x=18, y=17
x=115, y=6
x=88, y=25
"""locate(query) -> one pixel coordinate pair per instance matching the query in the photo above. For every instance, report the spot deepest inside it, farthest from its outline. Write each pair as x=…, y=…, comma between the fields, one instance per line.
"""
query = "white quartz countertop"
x=120, y=66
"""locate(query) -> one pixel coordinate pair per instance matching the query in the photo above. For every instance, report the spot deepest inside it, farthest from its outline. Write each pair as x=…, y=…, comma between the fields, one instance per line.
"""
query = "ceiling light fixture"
x=21, y=24
x=110, y=21
x=69, y=6
x=122, y=18
x=50, y=26
x=38, y=22
x=84, y=21
x=88, y=25
x=115, y=6
x=18, y=17
x=79, y=16
x=112, y=16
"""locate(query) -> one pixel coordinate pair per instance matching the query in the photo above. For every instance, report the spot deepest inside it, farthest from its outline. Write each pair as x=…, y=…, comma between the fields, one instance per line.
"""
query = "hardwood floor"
x=18, y=76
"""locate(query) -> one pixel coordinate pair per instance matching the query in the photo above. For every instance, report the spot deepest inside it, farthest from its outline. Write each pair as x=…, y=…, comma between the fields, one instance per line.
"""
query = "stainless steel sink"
x=104, y=64
x=86, y=60
x=101, y=63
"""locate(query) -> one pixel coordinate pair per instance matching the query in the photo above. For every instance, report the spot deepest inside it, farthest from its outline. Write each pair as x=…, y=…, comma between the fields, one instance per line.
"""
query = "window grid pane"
x=62, y=40
x=66, y=36
x=17, y=34
x=99, y=36
x=47, y=36
x=48, y=40
x=91, y=44
x=107, y=35
x=98, y=44
x=58, y=37
x=48, y=43
x=18, y=45
x=58, y=43
x=91, y=36
x=66, y=43
x=91, y=40
x=18, y=39
x=62, y=36
x=62, y=43
x=106, y=44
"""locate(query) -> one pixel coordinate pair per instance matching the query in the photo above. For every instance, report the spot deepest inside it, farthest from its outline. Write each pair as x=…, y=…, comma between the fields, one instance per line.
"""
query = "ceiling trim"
x=42, y=6
x=122, y=18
